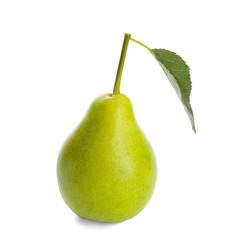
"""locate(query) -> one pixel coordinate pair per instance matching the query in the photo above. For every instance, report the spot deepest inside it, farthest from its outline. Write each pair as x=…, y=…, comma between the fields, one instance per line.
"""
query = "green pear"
x=106, y=168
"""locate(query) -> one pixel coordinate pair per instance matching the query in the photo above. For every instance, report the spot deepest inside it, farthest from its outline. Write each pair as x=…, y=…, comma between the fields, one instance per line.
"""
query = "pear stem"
x=116, y=89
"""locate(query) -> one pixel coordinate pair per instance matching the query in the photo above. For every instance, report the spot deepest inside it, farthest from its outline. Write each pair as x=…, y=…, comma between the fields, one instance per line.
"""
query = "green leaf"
x=178, y=74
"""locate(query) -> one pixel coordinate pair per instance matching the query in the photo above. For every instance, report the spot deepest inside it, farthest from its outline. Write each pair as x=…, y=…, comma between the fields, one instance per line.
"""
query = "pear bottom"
x=106, y=168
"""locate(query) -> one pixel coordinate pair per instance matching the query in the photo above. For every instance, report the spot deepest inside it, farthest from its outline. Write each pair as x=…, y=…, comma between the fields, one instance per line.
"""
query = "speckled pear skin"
x=106, y=168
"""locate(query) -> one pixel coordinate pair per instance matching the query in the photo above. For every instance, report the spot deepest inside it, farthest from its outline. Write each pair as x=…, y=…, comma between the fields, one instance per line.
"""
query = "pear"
x=106, y=168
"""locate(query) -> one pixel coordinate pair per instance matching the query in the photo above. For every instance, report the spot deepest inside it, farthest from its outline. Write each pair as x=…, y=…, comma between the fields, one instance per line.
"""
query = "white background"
x=57, y=56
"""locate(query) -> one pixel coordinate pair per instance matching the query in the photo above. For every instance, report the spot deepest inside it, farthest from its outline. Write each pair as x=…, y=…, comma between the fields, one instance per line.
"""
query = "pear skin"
x=107, y=168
